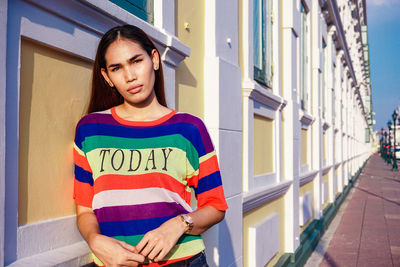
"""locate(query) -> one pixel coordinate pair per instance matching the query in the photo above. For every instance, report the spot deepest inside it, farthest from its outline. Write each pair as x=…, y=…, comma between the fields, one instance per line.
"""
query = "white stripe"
x=112, y=198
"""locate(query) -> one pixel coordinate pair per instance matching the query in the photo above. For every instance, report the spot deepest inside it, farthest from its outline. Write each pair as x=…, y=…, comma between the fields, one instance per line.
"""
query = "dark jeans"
x=198, y=260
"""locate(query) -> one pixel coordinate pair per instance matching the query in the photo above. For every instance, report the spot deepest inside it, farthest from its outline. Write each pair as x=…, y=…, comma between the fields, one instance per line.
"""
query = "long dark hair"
x=103, y=96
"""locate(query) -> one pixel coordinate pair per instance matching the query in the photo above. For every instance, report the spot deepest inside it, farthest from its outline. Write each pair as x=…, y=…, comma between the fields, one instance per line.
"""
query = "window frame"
x=304, y=56
x=263, y=74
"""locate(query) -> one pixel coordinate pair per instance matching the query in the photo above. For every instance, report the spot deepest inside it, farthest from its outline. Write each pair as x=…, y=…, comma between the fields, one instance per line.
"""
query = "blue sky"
x=383, y=18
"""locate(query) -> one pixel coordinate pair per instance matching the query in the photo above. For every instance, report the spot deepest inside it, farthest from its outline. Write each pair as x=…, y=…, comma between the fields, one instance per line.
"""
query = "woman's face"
x=131, y=70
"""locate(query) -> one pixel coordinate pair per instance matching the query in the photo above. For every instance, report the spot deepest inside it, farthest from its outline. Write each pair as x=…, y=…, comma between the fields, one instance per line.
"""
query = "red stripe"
x=139, y=181
x=214, y=197
x=81, y=161
x=83, y=194
x=208, y=167
x=160, y=263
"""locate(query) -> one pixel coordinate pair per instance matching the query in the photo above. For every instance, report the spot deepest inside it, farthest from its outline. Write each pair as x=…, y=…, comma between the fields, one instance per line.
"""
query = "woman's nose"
x=129, y=74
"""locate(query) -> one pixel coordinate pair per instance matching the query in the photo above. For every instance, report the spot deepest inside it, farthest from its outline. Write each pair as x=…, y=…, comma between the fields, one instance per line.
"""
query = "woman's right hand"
x=113, y=252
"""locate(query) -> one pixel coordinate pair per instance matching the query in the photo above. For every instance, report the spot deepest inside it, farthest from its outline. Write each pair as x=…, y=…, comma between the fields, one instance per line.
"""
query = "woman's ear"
x=155, y=57
x=105, y=76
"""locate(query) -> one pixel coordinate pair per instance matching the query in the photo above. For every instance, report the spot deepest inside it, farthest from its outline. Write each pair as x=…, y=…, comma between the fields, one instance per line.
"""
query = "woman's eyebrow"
x=119, y=64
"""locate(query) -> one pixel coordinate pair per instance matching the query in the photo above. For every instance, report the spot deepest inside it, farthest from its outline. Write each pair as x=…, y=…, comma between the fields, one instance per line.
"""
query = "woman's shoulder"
x=191, y=123
x=94, y=117
x=189, y=119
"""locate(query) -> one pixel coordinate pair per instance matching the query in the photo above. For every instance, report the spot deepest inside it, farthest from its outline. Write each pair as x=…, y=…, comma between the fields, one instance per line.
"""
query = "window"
x=304, y=58
x=263, y=42
x=140, y=8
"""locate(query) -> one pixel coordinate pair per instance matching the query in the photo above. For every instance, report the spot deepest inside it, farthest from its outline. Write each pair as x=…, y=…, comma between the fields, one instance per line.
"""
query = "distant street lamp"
x=389, y=124
x=394, y=117
x=385, y=147
x=381, y=143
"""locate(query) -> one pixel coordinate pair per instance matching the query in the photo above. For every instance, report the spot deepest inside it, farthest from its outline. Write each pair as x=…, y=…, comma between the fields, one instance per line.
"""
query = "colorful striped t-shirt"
x=137, y=175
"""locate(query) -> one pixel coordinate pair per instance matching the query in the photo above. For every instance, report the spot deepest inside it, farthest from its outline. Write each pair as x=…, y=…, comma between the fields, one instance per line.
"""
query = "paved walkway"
x=368, y=223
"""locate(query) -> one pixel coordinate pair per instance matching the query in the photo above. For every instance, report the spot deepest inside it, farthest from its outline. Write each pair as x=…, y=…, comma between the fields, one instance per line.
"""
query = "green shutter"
x=141, y=8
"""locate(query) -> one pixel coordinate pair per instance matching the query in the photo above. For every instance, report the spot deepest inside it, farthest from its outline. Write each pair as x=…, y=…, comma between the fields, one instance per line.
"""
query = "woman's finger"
x=148, y=248
x=161, y=255
x=142, y=243
x=155, y=251
x=133, y=257
x=128, y=247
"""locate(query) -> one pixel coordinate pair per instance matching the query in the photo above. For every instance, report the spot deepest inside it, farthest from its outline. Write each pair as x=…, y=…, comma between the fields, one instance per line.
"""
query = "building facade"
x=283, y=87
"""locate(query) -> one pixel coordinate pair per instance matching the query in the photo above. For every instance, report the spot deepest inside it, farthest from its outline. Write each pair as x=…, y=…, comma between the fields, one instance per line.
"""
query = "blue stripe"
x=209, y=182
x=93, y=129
x=133, y=227
x=83, y=176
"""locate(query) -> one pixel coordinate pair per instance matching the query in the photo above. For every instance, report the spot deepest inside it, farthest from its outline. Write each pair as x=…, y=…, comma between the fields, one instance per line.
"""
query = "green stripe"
x=174, y=140
x=135, y=239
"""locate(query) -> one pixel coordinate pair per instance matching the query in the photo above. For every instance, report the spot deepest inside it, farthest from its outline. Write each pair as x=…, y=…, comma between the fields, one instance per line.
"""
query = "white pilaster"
x=223, y=117
x=291, y=123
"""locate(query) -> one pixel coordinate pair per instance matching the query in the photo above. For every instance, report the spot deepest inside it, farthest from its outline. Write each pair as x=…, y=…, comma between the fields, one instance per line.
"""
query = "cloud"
x=382, y=2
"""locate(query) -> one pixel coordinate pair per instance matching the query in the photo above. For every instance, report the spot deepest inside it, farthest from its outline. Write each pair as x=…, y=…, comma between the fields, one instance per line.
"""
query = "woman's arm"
x=157, y=243
x=110, y=251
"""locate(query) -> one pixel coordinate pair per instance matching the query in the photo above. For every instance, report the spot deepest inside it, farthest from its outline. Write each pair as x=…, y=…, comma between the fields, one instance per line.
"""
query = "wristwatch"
x=186, y=219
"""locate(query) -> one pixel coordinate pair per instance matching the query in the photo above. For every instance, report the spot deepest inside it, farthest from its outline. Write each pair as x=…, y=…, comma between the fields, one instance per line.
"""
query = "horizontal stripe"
x=134, y=240
x=142, y=123
x=133, y=227
x=81, y=161
x=214, y=198
x=208, y=167
x=187, y=131
x=171, y=161
x=183, y=119
x=207, y=156
x=151, y=180
x=78, y=150
x=208, y=182
x=139, y=212
x=137, y=196
x=83, y=176
x=83, y=194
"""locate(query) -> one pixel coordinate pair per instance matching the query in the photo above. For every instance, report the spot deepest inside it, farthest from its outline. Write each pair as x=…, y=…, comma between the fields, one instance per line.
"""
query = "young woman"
x=136, y=161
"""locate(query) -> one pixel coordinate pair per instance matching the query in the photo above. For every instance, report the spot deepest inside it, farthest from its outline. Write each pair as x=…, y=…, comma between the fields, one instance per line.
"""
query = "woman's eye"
x=115, y=69
x=137, y=60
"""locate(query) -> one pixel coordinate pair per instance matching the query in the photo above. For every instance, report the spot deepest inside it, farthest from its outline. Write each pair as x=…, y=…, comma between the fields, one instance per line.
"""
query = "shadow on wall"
x=219, y=247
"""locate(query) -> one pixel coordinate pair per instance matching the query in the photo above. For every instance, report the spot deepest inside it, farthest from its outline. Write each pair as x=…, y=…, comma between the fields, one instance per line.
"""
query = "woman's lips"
x=135, y=89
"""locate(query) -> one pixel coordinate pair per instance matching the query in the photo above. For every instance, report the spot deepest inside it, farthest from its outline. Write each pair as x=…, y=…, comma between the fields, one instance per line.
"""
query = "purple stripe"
x=139, y=212
x=177, y=118
x=188, y=118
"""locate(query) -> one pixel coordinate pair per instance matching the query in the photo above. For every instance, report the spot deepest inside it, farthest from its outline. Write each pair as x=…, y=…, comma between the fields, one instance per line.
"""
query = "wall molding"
x=264, y=195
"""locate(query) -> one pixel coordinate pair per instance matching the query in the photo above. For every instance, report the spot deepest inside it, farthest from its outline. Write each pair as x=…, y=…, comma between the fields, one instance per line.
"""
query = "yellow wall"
x=325, y=177
x=258, y=214
x=282, y=146
x=336, y=177
x=54, y=93
x=304, y=145
x=190, y=72
x=308, y=187
x=263, y=145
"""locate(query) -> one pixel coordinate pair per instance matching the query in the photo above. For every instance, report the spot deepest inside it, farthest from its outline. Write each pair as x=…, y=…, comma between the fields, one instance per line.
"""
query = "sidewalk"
x=368, y=232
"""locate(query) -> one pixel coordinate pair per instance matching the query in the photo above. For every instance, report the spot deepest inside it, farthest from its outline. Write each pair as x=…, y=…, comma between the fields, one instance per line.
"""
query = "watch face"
x=188, y=218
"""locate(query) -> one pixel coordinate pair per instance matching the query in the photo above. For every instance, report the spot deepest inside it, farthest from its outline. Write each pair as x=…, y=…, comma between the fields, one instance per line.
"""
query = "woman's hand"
x=156, y=244
x=113, y=252
x=110, y=251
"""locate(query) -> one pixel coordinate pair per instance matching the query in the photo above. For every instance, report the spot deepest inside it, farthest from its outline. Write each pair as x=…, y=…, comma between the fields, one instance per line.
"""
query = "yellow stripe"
x=206, y=156
x=123, y=162
x=80, y=152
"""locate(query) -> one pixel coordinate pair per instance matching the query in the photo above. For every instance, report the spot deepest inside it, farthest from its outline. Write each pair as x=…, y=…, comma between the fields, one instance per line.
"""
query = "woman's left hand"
x=156, y=244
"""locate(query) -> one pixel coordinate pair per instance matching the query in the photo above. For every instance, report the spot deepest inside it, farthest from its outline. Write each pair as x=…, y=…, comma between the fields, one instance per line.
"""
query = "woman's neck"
x=143, y=112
